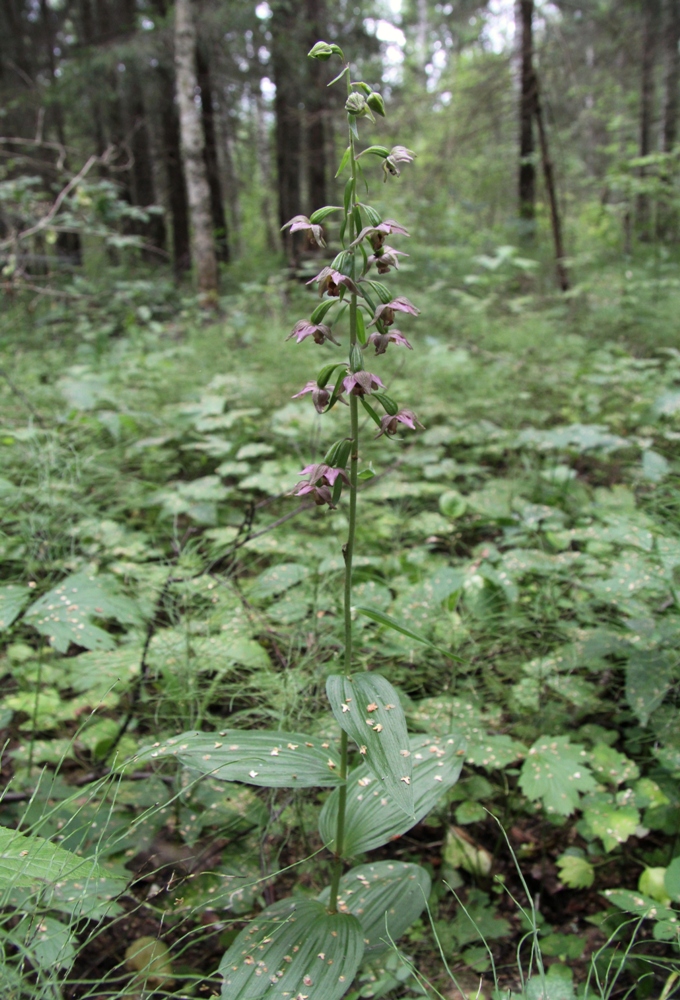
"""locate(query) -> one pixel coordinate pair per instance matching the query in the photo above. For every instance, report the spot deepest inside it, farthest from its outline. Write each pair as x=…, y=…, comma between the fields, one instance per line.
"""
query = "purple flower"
x=320, y=396
x=377, y=234
x=319, y=483
x=398, y=154
x=329, y=281
x=385, y=258
x=386, y=311
x=382, y=340
x=362, y=383
x=301, y=222
x=319, y=331
x=389, y=424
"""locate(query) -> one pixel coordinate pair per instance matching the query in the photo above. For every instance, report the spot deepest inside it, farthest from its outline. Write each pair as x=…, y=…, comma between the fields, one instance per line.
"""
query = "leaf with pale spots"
x=65, y=613
x=649, y=675
x=372, y=817
x=376, y=720
x=386, y=897
x=635, y=902
x=555, y=772
x=295, y=948
x=266, y=758
x=612, y=822
x=27, y=860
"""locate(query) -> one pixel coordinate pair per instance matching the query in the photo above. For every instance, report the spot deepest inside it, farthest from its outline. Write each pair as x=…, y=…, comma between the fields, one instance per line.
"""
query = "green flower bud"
x=323, y=51
x=355, y=104
x=376, y=103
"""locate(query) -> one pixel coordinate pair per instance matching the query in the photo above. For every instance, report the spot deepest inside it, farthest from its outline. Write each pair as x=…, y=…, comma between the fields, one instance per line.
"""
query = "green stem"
x=349, y=547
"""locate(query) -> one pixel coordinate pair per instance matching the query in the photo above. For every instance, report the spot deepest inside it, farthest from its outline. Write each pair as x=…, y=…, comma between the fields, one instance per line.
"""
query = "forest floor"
x=530, y=533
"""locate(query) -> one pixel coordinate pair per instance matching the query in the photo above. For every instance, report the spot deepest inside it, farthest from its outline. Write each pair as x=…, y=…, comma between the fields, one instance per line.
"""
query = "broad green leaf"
x=373, y=818
x=672, y=880
x=25, y=860
x=443, y=714
x=555, y=771
x=278, y=579
x=652, y=883
x=452, y=504
x=654, y=466
x=611, y=822
x=49, y=942
x=635, y=902
x=576, y=871
x=610, y=766
x=553, y=986
x=13, y=598
x=260, y=757
x=368, y=709
x=386, y=897
x=65, y=613
x=649, y=675
x=294, y=948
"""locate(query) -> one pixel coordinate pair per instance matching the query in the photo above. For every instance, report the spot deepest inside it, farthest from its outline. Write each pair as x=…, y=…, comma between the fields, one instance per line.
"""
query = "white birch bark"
x=193, y=143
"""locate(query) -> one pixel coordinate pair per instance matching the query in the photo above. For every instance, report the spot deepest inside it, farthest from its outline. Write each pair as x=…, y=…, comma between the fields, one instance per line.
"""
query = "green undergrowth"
x=157, y=577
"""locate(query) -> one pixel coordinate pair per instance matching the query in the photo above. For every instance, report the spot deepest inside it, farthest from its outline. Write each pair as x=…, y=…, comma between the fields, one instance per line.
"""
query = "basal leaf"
x=372, y=817
x=65, y=613
x=12, y=601
x=555, y=771
x=386, y=897
x=25, y=860
x=576, y=871
x=649, y=674
x=368, y=709
x=294, y=948
x=635, y=902
x=261, y=757
x=611, y=822
x=610, y=766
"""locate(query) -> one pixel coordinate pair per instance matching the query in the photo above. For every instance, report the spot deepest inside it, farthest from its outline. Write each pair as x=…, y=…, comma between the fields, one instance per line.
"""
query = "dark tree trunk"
x=287, y=110
x=210, y=153
x=549, y=176
x=68, y=245
x=672, y=81
x=174, y=166
x=143, y=188
x=650, y=32
x=527, y=110
x=316, y=102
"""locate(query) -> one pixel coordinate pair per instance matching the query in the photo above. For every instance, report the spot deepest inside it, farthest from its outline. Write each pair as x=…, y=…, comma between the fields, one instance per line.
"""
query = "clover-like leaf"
x=555, y=771
x=386, y=897
x=372, y=817
x=263, y=757
x=368, y=709
x=295, y=948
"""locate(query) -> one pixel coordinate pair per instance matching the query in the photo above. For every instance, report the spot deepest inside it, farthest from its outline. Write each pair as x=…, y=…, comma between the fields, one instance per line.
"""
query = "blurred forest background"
x=150, y=153
x=525, y=117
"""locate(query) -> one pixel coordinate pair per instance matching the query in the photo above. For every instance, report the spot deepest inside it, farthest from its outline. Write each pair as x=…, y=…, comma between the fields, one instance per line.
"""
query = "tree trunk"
x=647, y=94
x=527, y=110
x=174, y=167
x=286, y=109
x=672, y=81
x=67, y=244
x=316, y=103
x=143, y=187
x=549, y=176
x=193, y=152
x=211, y=161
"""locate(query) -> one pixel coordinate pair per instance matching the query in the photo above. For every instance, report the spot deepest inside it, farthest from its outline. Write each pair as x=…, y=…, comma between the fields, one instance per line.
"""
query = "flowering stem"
x=351, y=532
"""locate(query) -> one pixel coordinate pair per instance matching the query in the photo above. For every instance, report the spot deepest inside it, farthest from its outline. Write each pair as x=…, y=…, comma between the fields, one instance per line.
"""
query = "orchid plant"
x=382, y=779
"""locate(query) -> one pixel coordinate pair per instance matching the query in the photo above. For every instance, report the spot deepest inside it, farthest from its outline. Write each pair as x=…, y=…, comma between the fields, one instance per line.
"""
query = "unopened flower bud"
x=356, y=104
x=376, y=103
x=323, y=51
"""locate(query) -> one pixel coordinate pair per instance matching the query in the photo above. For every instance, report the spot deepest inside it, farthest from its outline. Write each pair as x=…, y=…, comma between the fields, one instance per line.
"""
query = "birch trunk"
x=193, y=152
